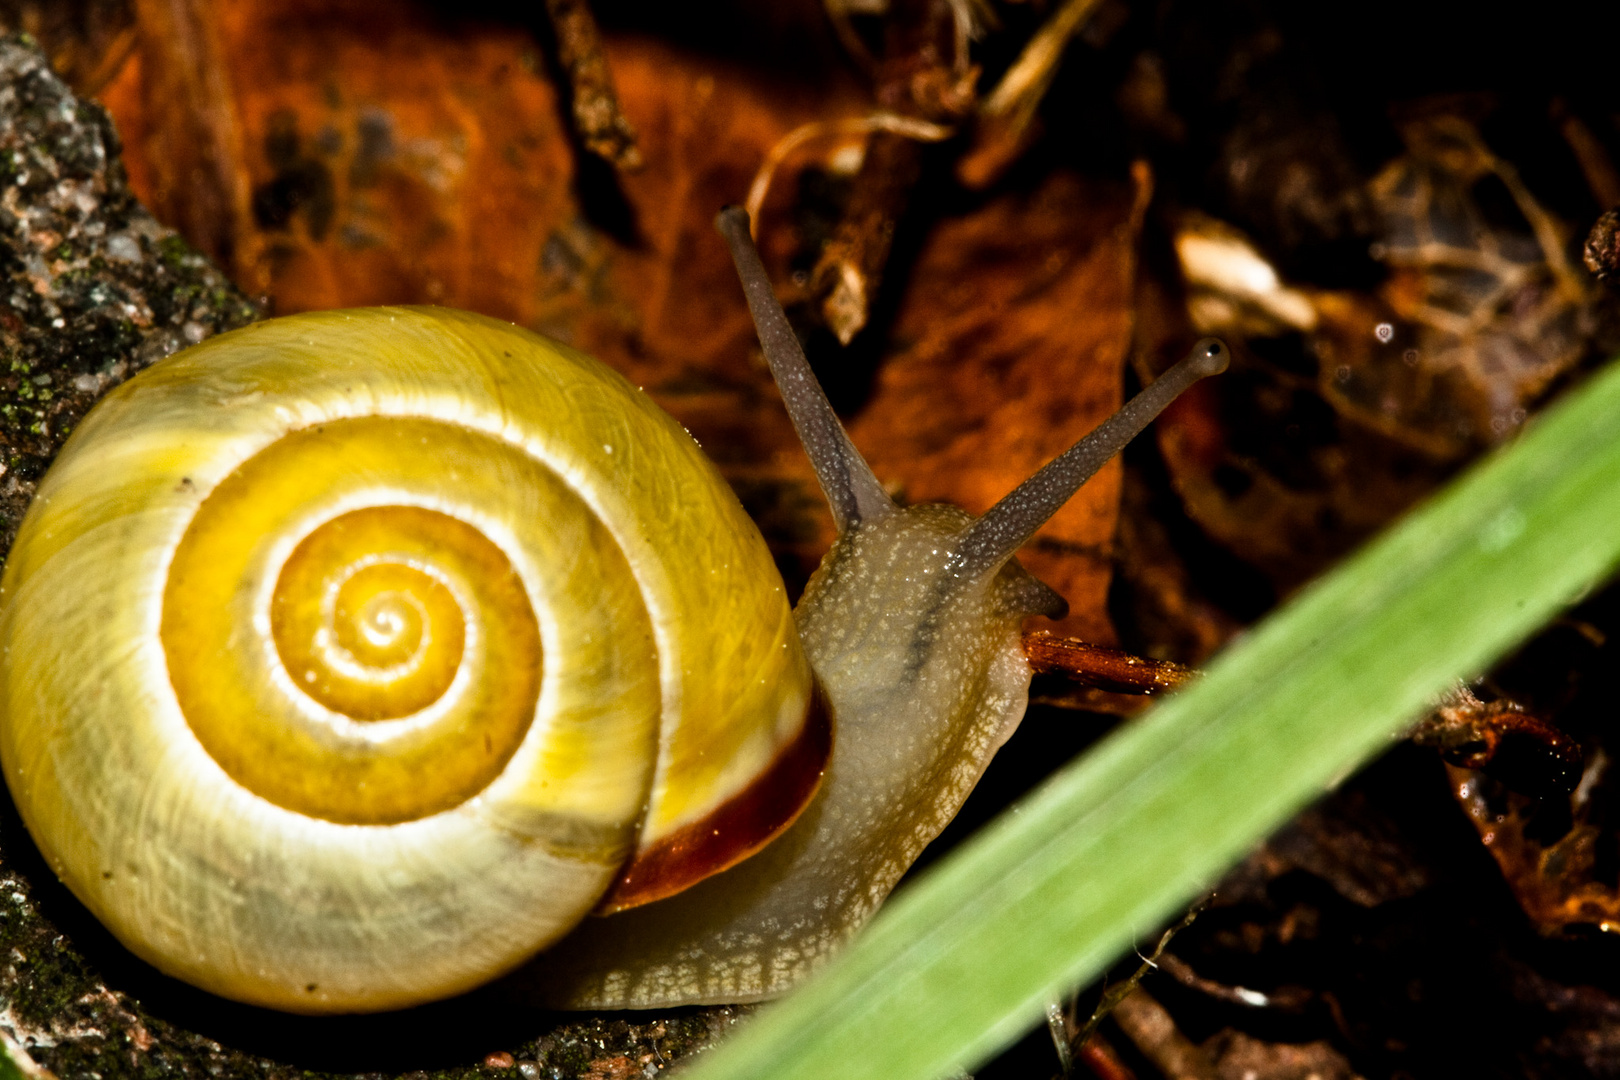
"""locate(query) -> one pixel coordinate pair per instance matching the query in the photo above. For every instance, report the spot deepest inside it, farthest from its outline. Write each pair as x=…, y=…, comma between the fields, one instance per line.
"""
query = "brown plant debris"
x=599, y=122
x=1151, y=1027
x=1556, y=856
x=1491, y=309
x=1102, y=668
x=1345, y=406
x=1289, y=998
x=87, y=41
x=1517, y=747
x=921, y=76
x=1601, y=252
x=198, y=183
x=1005, y=124
x=1074, y=674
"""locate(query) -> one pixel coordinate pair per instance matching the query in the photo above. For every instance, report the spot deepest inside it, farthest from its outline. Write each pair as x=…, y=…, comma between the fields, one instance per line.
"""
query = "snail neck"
x=926, y=680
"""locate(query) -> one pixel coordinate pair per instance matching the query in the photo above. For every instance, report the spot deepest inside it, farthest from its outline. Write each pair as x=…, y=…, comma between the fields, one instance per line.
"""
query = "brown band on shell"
x=737, y=828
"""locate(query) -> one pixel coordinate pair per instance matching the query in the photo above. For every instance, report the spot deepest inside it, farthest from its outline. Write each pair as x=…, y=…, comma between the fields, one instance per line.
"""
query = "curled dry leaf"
x=1010, y=337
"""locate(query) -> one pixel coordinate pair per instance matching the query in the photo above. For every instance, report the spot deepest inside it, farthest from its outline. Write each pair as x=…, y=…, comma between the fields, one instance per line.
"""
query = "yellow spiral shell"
x=349, y=658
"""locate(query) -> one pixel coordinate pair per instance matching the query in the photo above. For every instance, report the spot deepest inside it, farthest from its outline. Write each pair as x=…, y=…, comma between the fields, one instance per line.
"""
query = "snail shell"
x=351, y=658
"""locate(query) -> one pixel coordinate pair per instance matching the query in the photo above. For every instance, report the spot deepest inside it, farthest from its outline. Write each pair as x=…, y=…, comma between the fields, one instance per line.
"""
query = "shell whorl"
x=348, y=657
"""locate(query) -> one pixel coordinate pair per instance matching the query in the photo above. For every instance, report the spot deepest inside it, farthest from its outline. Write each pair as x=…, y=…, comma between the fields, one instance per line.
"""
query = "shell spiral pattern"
x=350, y=657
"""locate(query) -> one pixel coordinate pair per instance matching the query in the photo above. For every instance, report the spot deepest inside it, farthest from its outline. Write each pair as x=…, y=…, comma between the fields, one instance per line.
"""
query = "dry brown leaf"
x=1014, y=332
x=397, y=158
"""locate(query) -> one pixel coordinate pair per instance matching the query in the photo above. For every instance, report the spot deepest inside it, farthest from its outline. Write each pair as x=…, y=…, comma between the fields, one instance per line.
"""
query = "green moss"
x=173, y=251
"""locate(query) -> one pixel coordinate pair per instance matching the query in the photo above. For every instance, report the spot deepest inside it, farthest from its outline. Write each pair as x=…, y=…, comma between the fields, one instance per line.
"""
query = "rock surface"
x=94, y=288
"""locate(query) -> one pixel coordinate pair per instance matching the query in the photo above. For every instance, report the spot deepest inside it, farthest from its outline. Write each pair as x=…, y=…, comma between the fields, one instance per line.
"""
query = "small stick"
x=918, y=79
x=1114, y=998
x=1101, y=668
x=1288, y=998
x=1007, y=113
x=597, y=118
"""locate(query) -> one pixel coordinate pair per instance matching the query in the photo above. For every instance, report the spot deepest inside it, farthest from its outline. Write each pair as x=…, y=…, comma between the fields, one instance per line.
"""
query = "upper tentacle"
x=993, y=539
x=852, y=490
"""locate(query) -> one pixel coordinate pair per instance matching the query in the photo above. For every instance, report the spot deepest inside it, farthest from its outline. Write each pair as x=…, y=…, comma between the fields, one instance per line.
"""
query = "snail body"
x=919, y=716
x=187, y=732
x=911, y=624
x=349, y=660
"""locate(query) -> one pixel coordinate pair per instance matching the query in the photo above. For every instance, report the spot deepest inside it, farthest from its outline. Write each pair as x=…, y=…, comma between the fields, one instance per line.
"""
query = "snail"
x=350, y=660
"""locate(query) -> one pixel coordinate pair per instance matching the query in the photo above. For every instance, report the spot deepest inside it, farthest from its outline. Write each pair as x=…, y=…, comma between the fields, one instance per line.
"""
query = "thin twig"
x=1008, y=111
x=893, y=123
x=1151, y=1027
x=601, y=125
x=1113, y=995
x=916, y=79
x=1287, y=998
x=1102, y=668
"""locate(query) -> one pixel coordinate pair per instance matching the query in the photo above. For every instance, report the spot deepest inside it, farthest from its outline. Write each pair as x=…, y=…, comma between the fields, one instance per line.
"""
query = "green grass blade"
x=1048, y=895
x=15, y=1064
